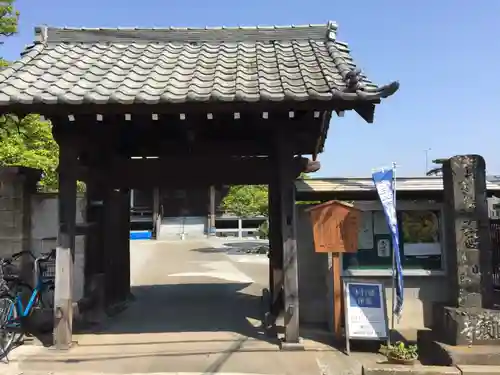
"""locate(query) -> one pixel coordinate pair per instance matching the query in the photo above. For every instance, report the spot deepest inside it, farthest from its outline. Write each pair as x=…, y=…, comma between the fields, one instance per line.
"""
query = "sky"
x=444, y=53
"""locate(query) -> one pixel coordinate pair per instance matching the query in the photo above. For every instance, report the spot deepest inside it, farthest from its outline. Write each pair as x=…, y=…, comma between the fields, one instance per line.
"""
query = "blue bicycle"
x=14, y=315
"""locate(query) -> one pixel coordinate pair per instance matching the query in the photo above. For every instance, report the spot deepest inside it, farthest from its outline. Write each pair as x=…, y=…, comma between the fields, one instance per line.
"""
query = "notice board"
x=335, y=226
x=365, y=311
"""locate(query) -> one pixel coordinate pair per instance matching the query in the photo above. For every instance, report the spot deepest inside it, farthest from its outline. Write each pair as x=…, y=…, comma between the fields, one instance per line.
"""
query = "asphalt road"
x=197, y=310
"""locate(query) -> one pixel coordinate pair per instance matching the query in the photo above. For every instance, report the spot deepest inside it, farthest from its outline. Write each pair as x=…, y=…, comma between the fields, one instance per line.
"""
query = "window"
x=419, y=232
x=421, y=239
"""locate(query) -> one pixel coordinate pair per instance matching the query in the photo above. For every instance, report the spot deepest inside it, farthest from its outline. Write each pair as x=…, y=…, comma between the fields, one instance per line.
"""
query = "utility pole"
x=427, y=160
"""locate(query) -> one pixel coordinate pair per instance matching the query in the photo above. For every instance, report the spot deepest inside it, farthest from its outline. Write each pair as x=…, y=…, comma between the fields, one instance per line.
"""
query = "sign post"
x=365, y=312
x=335, y=230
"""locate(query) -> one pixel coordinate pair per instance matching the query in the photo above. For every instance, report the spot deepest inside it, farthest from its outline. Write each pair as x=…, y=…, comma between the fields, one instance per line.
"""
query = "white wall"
x=44, y=229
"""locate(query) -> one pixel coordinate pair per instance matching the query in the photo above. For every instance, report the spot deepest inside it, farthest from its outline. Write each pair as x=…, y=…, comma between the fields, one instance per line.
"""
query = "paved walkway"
x=197, y=311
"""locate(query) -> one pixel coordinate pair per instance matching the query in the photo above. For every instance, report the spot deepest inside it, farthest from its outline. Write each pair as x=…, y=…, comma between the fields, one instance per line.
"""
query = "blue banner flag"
x=384, y=183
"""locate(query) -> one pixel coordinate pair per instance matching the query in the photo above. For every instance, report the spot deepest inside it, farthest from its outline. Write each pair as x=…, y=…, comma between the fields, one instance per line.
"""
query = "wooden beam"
x=275, y=254
x=49, y=111
x=337, y=296
x=366, y=111
x=157, y=212
x=93, y=239
x=63, y=302
x=123, y=244
x=184, y=148
x=143, y=173
x=169, y=135
x=284, y=169
x=113, y=245
x=211, y=223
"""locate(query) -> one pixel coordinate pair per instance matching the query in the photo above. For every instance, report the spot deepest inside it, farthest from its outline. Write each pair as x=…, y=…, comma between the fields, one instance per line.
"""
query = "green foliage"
x=264, y=230
x=26, y=142
x=246, y=200
x=9, y=17
x=420, y=227
x=400, y=351
x=29, y=143
x=249, y=200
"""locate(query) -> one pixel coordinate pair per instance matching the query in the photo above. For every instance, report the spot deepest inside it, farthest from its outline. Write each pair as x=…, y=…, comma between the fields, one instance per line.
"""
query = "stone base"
x=292, y=346
x=432, y=351
x=467, y=326
x=386, y=369
x=478, y=370
x=71, y=346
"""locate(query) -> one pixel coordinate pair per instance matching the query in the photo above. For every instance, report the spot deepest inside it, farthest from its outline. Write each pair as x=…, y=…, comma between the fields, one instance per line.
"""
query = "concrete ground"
x=197, y=311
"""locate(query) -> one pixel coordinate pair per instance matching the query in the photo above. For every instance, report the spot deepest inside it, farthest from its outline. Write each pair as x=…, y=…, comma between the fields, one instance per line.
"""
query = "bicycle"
x=14, y=316
x=23, y=287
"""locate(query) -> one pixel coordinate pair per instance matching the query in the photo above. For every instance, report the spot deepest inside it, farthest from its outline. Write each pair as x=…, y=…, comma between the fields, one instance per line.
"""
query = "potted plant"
x=400, y=353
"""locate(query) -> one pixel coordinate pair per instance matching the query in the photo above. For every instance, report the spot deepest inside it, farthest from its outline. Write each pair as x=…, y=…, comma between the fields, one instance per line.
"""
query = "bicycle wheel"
x=8, y=315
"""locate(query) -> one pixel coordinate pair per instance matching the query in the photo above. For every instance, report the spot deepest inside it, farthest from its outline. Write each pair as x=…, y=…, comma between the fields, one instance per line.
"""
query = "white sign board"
x=365, y=311
x=365, y=234
x=422, y=249
x=384, y=248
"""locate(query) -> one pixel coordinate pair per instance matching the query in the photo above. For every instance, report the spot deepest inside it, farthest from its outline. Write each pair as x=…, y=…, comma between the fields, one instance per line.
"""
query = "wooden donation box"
x=335, y=227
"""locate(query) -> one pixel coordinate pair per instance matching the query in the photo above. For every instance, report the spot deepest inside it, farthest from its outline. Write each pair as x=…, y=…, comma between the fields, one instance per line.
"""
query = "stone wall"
x=16, y=186
x=29, y=220
x=44, y=229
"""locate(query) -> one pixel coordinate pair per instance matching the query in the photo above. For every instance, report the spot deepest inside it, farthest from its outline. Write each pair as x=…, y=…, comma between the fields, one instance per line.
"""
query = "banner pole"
x=393, y=293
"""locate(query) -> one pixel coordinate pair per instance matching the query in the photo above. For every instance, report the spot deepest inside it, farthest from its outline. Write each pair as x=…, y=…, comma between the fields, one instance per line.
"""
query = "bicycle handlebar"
x=43, y=256
x=49, y=255
x=21, y=253
x=5, y=261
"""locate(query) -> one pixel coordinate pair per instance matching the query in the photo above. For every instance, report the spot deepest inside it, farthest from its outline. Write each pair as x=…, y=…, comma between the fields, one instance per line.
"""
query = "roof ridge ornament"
x=41, y=34
x=354, y=79
x=332, y=31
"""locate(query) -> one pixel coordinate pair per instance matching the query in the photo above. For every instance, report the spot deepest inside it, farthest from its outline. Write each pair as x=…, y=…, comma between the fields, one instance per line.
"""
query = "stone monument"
x=468, y=319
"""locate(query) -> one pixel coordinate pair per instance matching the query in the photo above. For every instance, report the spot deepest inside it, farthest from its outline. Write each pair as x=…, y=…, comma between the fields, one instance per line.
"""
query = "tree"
x=246, y=200
x=29, y=143
x=249, y=200
x=9, y=17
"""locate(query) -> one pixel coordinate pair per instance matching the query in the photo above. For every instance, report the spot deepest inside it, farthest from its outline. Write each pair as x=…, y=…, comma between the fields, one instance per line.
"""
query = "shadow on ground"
x=261, y=249
x=190, y=308
x=212, y=250
x=244, y=245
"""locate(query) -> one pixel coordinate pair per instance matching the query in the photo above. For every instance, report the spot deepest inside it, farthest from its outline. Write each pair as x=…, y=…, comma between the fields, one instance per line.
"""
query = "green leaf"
x=28, y=142
x=247, y=200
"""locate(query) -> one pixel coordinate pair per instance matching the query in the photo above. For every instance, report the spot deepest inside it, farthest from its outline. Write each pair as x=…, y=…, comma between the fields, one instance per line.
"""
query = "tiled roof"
x=175, y=65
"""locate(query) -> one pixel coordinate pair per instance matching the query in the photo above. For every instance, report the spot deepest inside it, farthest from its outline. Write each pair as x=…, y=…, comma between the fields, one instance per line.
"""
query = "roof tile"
x=268, y=63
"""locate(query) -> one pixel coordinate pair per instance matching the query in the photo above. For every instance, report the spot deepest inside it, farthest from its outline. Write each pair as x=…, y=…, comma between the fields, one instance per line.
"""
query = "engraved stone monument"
x=468, y=318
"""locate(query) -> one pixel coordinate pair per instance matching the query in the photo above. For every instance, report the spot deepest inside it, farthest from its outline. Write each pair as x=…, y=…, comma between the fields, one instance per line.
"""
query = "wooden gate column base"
x=292, y=346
